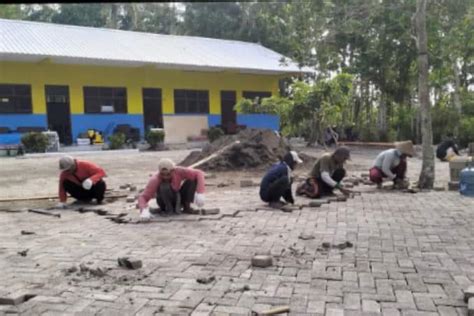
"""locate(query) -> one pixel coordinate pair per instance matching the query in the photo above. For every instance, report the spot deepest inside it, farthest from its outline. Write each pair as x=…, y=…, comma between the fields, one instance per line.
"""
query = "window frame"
x=191, y=101
x=15, y=98
x=97, y=96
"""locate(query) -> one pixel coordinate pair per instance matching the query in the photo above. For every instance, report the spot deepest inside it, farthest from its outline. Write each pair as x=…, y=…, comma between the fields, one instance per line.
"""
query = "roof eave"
x=131, y=63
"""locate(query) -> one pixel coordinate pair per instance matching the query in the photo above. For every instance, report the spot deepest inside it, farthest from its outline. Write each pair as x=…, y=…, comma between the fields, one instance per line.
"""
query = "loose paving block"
x=206, y=280
x=210, y=211
x=262, y=261
x=16, y=300
x=306, y=237
x=470, y=307
x=129, y=264
x=315, y=204
x=468, y=293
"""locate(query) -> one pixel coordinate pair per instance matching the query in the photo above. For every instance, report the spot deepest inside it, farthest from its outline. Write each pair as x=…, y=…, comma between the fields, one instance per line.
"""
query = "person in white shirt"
x=392, y=164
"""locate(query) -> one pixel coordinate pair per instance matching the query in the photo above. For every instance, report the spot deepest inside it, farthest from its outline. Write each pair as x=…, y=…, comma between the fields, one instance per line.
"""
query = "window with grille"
x=15, y=98
x=191, y=101
x=105, y=100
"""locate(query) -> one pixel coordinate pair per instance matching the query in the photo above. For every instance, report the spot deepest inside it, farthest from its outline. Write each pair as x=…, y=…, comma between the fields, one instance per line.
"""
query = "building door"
x=228, y=114
x=152, y=112
x=59, y=114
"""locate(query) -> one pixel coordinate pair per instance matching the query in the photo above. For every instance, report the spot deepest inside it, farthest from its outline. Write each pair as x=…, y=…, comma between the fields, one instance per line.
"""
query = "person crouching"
x=276, y=183
x=83, y=180
x=392, y=164
x=327, y=174
x=174, y=187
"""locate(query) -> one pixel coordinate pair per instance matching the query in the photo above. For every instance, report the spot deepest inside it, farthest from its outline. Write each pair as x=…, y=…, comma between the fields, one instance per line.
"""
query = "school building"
x=71, y=79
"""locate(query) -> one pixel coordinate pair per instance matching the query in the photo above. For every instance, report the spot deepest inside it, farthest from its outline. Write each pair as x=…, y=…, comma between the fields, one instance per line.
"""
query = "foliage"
x=255, y=106
x=154, y=138
x=401, y=127
x=372, y=40
x=35, y=142
x=214, y=133
x=466, y=131
x=467, y=99
x=445, y=119
x=117, y=141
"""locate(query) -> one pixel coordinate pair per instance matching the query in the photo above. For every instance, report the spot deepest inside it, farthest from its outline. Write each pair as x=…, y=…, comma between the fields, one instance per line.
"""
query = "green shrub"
x=154, y=138
x=214, y=133
x=35, y=142
x=117, y=141
x=466, y=131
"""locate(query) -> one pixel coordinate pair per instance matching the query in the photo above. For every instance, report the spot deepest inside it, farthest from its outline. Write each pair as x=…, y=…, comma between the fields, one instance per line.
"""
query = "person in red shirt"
x=175, y=188
x=81, y=179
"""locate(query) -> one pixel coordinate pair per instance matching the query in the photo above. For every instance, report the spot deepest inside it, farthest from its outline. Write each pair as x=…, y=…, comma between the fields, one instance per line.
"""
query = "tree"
x=84, y=14
x=427, y=174
x=11, y=11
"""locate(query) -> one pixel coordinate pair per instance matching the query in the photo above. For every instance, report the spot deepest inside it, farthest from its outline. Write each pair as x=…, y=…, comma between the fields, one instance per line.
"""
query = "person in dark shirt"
x=447, y=149
x=276, y=183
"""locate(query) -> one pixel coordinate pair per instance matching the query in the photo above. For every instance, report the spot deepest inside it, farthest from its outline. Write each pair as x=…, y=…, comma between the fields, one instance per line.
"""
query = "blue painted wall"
x=251, y=120
x=214, y=119
x=13, y=121
x=107, y=122
x=259, y=121
x=104, y=122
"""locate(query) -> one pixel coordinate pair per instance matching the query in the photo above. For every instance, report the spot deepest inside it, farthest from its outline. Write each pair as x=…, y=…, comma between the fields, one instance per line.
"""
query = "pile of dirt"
x=251, y=148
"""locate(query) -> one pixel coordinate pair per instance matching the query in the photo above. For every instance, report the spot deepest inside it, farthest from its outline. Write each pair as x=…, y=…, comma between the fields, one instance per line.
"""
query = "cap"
x=66, y=163
x=344, y=152
x=166, y=164
x=406, y=148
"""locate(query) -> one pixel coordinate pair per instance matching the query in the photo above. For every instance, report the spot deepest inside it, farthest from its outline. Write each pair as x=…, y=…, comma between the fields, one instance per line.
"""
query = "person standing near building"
x=327, y=174
x=276, y=183
x=331, y=136
x=174, y=187
x=392, y=164
x=447, y=149
x=83, y=180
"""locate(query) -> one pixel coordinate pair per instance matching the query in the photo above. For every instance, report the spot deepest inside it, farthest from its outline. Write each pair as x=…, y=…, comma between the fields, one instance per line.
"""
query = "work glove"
x=61, y=205
x=199, y=199
x=145, y=214
x=87, y=184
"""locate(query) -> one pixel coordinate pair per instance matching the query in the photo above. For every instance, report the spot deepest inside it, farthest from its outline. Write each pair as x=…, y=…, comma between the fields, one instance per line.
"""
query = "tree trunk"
x=457, y=87
x=382, y=118
x=427, y=174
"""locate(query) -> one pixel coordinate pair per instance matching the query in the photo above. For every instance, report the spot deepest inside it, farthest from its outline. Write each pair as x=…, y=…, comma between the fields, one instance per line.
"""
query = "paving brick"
x=369, y=306
x=352, y=301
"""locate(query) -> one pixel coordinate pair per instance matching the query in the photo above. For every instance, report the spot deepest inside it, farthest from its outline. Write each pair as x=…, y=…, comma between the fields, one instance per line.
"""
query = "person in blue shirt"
x=276, y=183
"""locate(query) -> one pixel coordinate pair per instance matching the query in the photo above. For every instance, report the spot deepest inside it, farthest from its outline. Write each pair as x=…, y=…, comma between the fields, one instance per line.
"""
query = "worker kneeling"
x=81, y=179
x=175, y=188
x=278, y=180
x=326, y=175
x=392, y=164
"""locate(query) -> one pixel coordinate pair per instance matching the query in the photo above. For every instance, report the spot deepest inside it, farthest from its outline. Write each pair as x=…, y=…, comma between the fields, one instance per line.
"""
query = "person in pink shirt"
x=174, y=188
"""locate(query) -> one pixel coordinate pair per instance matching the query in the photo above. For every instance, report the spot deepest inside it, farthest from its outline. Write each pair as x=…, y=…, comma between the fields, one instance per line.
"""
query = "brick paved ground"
x=413, y=254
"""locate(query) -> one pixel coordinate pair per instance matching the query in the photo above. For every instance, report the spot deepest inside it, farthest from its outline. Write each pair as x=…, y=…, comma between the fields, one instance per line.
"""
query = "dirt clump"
x=251, y=148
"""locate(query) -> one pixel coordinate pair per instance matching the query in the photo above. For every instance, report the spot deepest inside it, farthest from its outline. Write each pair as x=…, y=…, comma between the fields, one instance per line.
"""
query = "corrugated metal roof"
x=34, y=41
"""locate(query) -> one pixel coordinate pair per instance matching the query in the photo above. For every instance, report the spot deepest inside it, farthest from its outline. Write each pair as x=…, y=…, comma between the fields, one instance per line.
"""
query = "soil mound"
x=251, y=148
